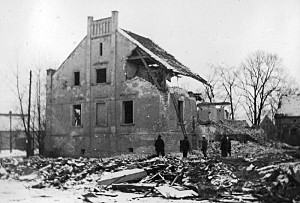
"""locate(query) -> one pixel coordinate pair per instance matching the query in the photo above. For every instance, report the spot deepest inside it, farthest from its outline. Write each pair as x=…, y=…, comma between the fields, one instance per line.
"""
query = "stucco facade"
x=287, y=120
x=110, y=96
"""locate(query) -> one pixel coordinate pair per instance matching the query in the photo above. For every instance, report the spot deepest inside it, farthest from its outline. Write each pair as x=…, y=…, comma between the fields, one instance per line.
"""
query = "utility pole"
x=10, y=134
x=29, y=138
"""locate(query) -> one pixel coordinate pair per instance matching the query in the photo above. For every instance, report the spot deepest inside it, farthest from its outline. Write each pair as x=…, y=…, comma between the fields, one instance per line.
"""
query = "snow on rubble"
x=254, y=173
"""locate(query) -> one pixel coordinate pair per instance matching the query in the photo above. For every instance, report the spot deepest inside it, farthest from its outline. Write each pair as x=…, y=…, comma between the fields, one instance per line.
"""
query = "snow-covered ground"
x=21, y=192
x=14, y=153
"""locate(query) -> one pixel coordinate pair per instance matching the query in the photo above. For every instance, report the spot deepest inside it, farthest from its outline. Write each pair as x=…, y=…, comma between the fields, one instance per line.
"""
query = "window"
x=76, y=117
x=101, y=49
x=76, y=78
x=294, y=132
x=127, y=112
x=180, y=111
x=101, y=114
x=101, y=75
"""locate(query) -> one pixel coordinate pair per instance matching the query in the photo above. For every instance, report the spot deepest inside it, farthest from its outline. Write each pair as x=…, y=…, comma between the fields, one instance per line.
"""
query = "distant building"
x=268, y=126
x=214, y=111
x=15, y=131
x=287, y=120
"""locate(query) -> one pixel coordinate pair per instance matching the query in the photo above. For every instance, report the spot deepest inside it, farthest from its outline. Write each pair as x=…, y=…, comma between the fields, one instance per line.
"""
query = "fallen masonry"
x=254, y=173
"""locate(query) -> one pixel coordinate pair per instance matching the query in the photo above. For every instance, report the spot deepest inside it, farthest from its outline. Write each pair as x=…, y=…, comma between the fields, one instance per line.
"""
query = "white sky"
x=196, y=32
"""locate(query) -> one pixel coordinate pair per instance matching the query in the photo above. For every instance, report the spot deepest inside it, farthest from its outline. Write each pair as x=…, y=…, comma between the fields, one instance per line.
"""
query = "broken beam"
x=122, y=176
x=148, y=70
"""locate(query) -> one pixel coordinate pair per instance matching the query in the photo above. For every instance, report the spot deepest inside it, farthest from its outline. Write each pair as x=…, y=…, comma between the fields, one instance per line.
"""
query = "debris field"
x=254, y=173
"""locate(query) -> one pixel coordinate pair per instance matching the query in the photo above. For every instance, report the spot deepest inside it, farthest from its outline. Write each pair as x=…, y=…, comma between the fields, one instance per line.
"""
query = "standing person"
x=229, y=146
x=159, y=146
x=204, y=146
x=224, y=146
x=185, y=146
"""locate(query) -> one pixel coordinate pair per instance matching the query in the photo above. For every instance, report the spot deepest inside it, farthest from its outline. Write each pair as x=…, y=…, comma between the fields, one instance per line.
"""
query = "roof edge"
x=166, y=64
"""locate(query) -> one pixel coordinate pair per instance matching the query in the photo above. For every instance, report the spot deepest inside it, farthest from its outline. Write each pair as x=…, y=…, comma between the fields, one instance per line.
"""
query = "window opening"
x=128, y=112
x=76, y=78
x=293, y=131
x=101, y=114
x=77, y=115
x=101, y=49
x=101, y=75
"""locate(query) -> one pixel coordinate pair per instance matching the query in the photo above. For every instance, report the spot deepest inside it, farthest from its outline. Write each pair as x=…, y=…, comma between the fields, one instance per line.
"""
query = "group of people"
x=185, y=146
x=160, y=146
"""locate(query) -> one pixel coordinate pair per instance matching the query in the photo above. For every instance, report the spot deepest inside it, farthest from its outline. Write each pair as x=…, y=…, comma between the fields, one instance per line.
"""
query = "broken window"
x=101, y=49
x=76, y=119
x=77, y=78
x=128, y=112
x=180, y=111
x=101, y=75
x=101, y=114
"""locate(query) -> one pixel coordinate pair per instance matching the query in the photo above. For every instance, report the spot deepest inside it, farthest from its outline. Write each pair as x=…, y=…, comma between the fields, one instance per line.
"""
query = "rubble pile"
x=254, y=173
x=237, y=130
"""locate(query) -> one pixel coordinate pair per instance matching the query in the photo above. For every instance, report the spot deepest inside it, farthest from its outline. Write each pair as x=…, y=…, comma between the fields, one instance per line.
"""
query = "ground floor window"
x=76, y=115
x=101, y=114
x=127, y=112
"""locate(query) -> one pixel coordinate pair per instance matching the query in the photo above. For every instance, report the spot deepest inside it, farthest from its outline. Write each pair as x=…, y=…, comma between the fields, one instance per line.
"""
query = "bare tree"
x=209, y=91
x=39, y=122
x=261, y=75
x=26, y=122
x=228, y=83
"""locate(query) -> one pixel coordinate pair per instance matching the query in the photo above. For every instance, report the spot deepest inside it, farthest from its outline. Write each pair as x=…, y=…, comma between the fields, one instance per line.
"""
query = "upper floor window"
x=77, y=78
x=101, y=49
x=127, y=112
x=76, y=115
x=101, y=75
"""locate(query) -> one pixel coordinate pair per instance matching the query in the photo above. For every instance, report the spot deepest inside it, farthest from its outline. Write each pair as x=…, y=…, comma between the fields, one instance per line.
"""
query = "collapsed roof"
x=160, y=55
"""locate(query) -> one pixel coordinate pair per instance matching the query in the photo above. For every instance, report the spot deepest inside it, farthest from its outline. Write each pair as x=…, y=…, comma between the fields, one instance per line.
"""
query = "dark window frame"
x=77, y=116
x=77, y=78
x=101, y=49
x=101, y=77
x=128, y=112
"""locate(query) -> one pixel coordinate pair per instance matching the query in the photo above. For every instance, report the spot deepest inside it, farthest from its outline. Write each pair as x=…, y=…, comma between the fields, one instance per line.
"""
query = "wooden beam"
x=122, y=176
x=13, y=114
x=148, y=70
x=137, y=57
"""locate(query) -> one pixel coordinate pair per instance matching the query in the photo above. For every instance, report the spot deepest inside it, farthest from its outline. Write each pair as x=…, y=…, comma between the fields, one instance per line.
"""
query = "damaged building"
x=287, y=120
x=111, y=96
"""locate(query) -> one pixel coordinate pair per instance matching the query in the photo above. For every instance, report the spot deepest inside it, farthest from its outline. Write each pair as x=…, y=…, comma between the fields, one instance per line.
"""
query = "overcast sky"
x=196, y=32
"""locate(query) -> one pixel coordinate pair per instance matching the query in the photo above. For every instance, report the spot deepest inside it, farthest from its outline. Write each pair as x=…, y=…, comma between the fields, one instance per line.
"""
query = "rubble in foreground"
x=254, y=173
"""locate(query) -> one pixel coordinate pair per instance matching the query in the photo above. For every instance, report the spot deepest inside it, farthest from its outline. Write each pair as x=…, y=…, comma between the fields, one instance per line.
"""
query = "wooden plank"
x=137, y=57
x=122, y=176
x=130, y=187
x=171, y=192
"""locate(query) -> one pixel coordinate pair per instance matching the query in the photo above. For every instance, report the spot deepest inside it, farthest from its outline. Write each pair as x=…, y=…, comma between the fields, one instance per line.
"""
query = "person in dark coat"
x=224, y=146
x=204, y=146
x=229, y=146
x=159, y=146
x=185, y=146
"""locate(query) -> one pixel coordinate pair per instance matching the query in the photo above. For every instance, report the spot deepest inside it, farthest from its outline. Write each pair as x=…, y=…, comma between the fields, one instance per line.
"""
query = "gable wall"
x=154, y=112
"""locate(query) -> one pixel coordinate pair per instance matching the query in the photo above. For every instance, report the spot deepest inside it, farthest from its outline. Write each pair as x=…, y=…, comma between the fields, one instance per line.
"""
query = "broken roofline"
x=186, y=71
x=214, y=104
